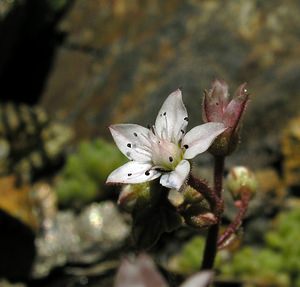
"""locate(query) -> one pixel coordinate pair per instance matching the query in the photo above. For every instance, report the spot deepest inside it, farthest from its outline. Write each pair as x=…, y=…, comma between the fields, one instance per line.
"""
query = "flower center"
x=166, y=155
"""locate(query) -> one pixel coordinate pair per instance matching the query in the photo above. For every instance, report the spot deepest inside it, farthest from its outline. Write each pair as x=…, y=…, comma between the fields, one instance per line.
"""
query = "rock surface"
x=121, y=59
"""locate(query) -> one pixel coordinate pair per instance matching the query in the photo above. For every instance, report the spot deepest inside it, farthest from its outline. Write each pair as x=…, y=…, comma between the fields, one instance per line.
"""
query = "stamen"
x=181, y=132
x=160, y=169
x=166, y=127
x=153, y=129
x=143, y=151
x=146, y=143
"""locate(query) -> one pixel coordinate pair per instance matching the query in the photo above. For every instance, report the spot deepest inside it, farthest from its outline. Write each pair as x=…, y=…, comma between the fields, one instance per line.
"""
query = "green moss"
x=277, y=263
x=189, y=260
x=83, y=177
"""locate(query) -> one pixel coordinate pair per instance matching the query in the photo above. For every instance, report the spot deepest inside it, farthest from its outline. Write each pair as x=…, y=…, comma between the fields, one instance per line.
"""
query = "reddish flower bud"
x=217, y=107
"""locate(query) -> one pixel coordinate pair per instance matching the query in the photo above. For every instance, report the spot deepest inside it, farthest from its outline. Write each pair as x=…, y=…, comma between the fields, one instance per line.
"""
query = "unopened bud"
x=218, y=107
x=134, y=196
x=241, y=180
x=224, y=144
x=202, y=220
x=191, y=195
x=175, y=198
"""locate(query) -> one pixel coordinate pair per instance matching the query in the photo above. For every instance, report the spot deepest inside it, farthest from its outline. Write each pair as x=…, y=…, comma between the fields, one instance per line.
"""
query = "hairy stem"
x=209, y=194
x=210, y=250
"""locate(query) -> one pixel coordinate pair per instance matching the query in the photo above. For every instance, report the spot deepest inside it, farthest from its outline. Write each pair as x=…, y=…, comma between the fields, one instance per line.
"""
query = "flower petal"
x=200, y=279
x=176, y=178
x=132, y=140
x=199, y=139
x=133, y=172
x=141, y=272
x=215, y=102
x=172, y=120
x=236, y=107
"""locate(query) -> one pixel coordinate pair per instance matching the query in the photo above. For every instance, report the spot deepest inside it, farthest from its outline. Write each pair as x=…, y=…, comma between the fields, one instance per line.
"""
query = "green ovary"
x=166, y=155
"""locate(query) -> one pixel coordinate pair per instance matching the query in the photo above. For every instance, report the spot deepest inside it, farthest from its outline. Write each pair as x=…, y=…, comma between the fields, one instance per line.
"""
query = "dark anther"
x=147, y=172
x=160, y=169
x=186, y=146
x=129, y=174
x=186, y=119
x=129, y=145
x=170, y=159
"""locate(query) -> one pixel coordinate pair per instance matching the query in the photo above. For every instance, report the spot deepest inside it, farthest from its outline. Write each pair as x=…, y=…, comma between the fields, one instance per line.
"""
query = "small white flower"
x=163, y=150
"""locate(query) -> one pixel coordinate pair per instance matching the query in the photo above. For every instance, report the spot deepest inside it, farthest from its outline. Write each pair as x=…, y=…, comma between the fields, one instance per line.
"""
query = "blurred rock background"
x=90, y=63
x=119, y=60
x=97, y=62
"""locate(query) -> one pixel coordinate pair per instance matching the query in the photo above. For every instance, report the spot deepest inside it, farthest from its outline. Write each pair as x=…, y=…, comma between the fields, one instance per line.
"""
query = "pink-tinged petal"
x=172, y=119
x=200, y=138
x=215, y=102
x=201, y=279
x=236, y=107
x=176, y=178
x=133, y=172
x=140, y=273
x=132, y=140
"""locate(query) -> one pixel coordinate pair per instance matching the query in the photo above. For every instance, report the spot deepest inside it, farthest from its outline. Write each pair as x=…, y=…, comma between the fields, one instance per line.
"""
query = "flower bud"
x=217, y=107
x=241, y=180
x=202, y=220
x=191, y=195
x=134, y=196
x=175, y=198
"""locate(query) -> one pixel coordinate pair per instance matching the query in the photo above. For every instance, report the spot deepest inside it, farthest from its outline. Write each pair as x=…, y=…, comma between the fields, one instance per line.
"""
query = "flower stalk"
x=210, y=250
x=232, y=229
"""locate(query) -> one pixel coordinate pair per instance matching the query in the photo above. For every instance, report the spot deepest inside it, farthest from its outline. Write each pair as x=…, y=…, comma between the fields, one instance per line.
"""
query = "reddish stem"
x=237, y=222
x=209, y=194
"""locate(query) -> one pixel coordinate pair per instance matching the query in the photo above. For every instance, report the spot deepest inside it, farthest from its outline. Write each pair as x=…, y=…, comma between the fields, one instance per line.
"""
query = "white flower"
x=163, y=150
